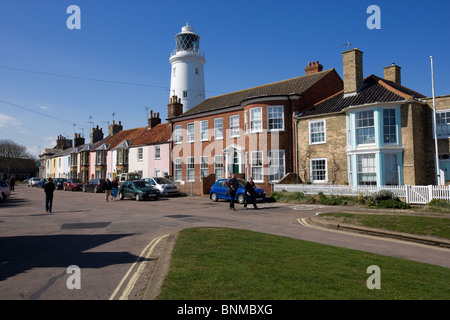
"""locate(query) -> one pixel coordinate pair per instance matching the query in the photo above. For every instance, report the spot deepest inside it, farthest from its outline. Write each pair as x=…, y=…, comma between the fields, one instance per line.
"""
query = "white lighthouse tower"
x=187, y=80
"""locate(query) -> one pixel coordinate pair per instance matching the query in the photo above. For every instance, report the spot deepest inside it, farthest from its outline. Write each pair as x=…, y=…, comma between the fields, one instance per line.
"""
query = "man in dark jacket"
x=49, y=187
x=250, y=192
x=234, y=185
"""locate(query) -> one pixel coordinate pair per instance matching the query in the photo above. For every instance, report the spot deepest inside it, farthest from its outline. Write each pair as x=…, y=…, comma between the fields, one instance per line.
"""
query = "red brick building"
x=249, y=132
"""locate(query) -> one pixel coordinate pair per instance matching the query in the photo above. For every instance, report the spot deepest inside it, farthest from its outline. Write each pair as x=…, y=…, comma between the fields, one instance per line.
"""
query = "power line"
x=92, y=79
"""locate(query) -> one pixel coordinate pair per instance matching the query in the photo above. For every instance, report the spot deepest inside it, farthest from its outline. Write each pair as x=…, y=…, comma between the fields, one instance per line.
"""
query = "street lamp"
x=438, y=174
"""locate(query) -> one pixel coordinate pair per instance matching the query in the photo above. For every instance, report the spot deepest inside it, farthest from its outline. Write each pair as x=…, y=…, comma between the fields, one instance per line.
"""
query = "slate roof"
x=291, y=86
x=373, y=90
x=138, y=136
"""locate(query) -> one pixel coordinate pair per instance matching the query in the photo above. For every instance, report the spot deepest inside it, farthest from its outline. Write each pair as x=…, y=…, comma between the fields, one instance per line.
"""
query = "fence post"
x=407, y=195
x=430, y=193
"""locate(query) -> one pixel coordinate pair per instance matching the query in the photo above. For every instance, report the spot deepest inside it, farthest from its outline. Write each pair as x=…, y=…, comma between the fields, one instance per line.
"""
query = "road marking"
x=303, y=222
x=139, y=270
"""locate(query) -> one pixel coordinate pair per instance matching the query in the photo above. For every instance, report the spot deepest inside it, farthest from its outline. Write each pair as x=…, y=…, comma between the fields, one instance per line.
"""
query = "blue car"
x=219, y=189
x=41, y=183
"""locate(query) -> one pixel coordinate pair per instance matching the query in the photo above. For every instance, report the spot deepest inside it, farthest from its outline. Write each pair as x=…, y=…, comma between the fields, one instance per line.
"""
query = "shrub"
x=438, y=203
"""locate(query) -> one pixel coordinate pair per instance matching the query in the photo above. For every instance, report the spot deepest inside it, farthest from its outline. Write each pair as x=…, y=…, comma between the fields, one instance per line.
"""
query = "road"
x=115, y=245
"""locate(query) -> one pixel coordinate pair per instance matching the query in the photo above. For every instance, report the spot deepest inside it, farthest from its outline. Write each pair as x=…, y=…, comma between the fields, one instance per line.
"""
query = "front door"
x=236, y=162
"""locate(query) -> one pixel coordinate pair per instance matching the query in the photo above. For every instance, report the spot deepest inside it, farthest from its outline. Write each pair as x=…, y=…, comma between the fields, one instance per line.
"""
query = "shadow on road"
x=22, y=253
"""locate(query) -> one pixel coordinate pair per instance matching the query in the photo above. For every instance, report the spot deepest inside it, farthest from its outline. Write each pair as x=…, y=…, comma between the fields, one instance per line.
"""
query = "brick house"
x=144, y=150
x=443, y=132
x=373, y=132
x=248, y=132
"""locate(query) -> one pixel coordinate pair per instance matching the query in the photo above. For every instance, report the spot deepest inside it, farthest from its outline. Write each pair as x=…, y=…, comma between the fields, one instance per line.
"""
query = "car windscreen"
x=163, y=181
x=75, y=181
x=140, y=184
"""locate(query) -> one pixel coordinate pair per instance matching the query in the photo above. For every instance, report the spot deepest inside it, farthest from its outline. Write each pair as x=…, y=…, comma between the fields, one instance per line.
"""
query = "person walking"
x=234, y=185
x=107, y=187
x=114, y=189
x=250, y=193
x=12, y=182
x=49, y=188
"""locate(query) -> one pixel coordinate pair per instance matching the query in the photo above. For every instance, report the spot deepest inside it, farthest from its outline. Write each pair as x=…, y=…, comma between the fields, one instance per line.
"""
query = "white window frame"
x=140, y=154
x=360, y=172
x=204, y=130
x=157, y=151
x=388, y=126
x=367, y=127
x=311, y=125
x=254, y=121
x=276, y=166
x=443, y=125
x=387, y=166
x=312, y=170
x=218, y=166
x=177, y=134
x=234, y=126
x=270, y=117
x=190, y=169
x=190, y=132
x=178, y=169
x=254, y=156
x=218, y=128
x=203, y=166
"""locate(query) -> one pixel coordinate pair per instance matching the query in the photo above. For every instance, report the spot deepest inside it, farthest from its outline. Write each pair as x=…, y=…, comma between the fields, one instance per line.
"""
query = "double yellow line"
x=132, y=281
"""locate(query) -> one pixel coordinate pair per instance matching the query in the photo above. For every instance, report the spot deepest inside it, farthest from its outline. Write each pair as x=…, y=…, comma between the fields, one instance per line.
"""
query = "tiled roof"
x=291, y=86
x=139, y=136
x=374, y=90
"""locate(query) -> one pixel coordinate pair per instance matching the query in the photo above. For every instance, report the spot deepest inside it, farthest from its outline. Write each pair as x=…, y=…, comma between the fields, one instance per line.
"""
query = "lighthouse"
x=187, y=79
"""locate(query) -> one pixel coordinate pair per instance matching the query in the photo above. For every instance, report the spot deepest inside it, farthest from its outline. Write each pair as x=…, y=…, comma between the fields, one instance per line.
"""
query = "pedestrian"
x=12, y=181
x=234, y=185
x=49, y=187
x=250, y=193
x=114, y=189
x=107, y=187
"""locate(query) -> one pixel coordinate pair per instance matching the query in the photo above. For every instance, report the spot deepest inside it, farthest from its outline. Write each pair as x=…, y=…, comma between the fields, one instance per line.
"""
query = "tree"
x=13, y=157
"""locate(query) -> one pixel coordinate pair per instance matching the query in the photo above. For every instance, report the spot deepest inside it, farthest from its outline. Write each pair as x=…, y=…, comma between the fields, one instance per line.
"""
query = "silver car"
x=33, y=182
x=164, y=185
x=4, y=190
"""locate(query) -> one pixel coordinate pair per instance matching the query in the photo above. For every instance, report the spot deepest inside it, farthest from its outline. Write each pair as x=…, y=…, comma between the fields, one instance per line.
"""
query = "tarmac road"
x=116, y=245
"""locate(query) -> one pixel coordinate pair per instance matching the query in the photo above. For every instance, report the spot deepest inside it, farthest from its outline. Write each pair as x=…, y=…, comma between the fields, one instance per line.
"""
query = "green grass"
x=230, y=264
x=418, y=225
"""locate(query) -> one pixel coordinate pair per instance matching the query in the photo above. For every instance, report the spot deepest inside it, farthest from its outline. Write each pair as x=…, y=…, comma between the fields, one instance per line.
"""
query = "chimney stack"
x=114, y=128
x=393, y=73
x=174, y=108
x=313, y=67
x=353, y=70
x=96, y=135
x=154, y=119
x=78, y=140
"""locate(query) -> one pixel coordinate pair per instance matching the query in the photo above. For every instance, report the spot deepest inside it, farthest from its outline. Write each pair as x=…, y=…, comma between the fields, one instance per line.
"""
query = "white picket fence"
x=410, y=194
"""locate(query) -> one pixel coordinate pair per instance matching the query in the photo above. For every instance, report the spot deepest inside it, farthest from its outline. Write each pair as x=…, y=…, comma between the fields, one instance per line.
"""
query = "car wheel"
x=138, y=197
x=240, y=198
x=121, y=195
x=214, y=197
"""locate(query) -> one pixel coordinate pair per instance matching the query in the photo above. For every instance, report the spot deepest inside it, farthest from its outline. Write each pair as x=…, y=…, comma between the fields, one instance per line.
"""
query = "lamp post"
x=438, y=174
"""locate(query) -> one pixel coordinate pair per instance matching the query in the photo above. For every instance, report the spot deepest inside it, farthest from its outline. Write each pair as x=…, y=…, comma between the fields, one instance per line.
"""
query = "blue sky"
x=118, y=62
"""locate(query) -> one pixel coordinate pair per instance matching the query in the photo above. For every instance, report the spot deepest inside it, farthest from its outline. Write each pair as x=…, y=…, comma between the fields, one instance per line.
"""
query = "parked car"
x=130, y=176
x=94, y=185
x=219, y=189
x=32, y=182
x=41, y=183
x=72, y=184
x=139, y=190
x=4, y=190
x=59, y=183
x=164, y=185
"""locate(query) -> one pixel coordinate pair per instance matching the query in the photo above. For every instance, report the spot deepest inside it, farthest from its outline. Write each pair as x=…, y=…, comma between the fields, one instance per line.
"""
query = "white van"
x=130, y=176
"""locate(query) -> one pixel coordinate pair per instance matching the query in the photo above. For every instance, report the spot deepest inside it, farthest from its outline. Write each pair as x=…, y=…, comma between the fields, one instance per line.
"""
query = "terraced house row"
x=316, y=128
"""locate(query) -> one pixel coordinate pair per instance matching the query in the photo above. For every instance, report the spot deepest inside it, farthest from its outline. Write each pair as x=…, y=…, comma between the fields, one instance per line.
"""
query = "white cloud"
x=44, y=107
x=7, y=121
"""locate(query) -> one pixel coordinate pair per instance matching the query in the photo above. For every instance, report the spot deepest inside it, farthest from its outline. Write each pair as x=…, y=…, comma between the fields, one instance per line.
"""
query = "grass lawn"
x=229, y=264
x=419, y=225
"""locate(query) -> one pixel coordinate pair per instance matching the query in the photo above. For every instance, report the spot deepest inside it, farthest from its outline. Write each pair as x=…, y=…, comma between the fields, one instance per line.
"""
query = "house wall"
x=333, y=150
x=162, y=163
